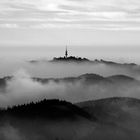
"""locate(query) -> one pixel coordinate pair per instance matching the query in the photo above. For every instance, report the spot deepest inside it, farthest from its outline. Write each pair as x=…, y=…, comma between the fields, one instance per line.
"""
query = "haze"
x=104, y=29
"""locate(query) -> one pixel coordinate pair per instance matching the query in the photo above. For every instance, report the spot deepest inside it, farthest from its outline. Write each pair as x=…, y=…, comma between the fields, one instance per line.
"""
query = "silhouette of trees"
x=51, y=109
x=70, y=58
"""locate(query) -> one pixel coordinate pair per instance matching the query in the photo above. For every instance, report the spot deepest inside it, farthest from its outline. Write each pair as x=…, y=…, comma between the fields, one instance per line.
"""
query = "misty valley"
x=88, y=106
x=69, y=69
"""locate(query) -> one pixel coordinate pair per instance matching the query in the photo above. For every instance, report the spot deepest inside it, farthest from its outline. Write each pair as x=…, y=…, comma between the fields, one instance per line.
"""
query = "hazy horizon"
x=91, y=28
x=95, y=29
x=27, y=53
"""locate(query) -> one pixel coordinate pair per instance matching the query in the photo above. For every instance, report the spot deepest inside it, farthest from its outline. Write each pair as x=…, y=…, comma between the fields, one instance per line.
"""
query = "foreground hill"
x=46, y=109
x=104, y=119
x=47, y=119
x=112, y=110
x=119, y=118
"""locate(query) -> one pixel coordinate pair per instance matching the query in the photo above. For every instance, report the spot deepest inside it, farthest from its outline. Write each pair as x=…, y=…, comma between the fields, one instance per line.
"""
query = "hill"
x=121, y=78
x=105, y=119
x=90, y=78
x=45, y=109
x=113, y=110
x=117, y=118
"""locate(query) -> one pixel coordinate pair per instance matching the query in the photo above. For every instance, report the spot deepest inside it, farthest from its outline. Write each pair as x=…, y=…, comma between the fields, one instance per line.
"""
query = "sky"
x=98, y=26
x=38, y=29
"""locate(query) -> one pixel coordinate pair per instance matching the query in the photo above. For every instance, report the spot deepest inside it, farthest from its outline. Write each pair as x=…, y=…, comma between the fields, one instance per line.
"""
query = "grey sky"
x=102, y=25
x=98, y=14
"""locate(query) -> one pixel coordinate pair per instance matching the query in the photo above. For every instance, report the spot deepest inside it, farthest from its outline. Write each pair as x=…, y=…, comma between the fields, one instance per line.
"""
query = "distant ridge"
x=91, y=78
x=121, y=78
x=70, y=59
x=79, y=60
x=88, y=78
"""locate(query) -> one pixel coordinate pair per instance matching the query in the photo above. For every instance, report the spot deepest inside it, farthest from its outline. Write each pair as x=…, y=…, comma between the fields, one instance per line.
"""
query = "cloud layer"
x=98, y=14
x=23, y=89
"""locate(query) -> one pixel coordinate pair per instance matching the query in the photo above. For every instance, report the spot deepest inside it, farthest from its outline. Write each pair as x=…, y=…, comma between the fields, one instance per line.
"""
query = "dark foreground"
x=106, y=119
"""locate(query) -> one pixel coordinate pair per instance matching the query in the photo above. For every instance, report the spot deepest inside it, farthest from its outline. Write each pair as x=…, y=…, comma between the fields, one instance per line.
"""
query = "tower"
x=66, y=53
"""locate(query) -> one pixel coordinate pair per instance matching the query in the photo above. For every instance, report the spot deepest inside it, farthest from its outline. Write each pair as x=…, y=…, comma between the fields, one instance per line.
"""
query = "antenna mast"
x=66, y=52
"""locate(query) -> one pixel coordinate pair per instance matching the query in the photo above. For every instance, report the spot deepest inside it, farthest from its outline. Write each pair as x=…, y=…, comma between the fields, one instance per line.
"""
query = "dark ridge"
x=109, y=100
x=56, y=80
x=70, y=59
x=42, y=80
x=121, y=78
x=115, y=63
x=94, y=79
x=88, y=78
x=110, y=110
x=84, y=60
x=108, y=62
x=91, y=76
x=46, y=109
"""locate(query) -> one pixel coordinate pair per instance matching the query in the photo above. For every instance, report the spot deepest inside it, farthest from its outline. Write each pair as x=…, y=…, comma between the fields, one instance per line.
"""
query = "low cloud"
x=23, y=89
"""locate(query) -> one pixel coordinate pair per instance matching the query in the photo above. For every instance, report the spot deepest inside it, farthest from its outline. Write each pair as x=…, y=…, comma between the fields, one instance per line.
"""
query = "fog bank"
x=21, y=88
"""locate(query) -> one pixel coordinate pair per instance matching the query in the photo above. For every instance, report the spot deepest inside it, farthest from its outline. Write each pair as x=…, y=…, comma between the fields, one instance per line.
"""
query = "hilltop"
x=46, y=109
